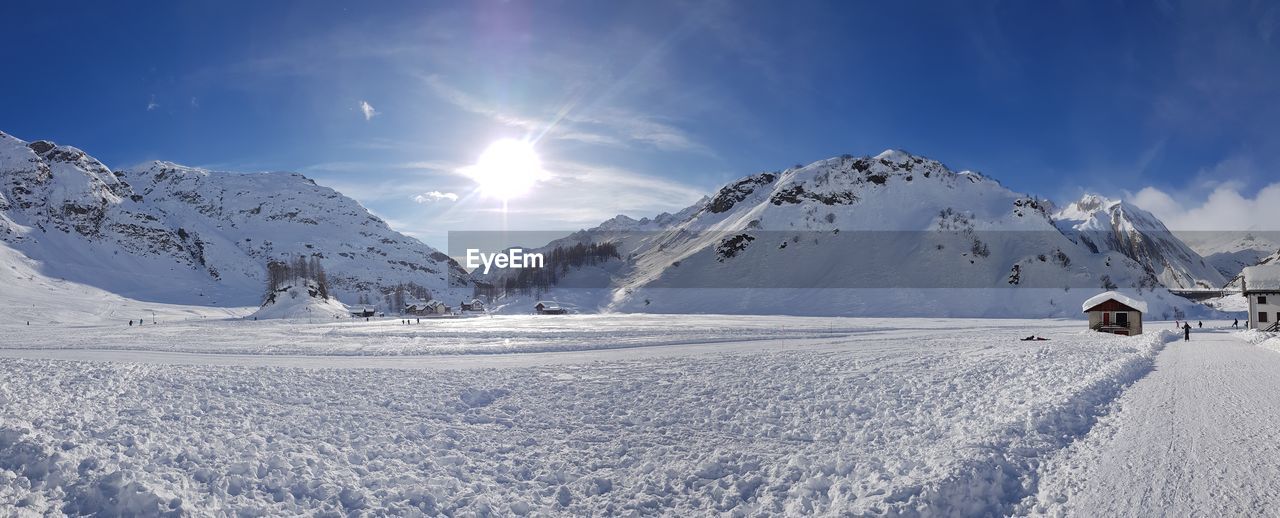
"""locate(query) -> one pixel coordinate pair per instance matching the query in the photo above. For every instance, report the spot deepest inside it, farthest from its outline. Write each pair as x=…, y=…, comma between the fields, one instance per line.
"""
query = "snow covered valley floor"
x=619, y=415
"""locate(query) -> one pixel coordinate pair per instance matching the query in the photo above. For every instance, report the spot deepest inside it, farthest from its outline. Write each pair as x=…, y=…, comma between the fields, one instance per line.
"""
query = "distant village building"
x=1115, y=313
x=428, y=308
x=549, y=308
x=474, y=305
x=364, y=312
x=1262, y=289
x=435, y=307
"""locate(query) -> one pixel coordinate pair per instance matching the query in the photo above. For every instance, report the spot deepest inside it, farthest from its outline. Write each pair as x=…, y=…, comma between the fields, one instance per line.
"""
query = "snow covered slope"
x=889, y=235
x=28, y=296
x=1104, y=224
x=178, y=234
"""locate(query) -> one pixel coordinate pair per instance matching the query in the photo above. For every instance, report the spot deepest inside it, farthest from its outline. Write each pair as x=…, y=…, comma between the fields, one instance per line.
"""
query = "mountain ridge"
x=958, y=230
x=171, y=233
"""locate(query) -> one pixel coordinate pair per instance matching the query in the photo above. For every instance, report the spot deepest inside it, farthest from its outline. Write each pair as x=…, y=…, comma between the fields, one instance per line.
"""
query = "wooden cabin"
x=364, y=312
x=1262, y=290
x=1116, y=313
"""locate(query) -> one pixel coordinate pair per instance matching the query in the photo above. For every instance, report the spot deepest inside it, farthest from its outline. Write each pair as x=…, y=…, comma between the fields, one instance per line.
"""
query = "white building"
x=1262, y=289
x=1115, y=313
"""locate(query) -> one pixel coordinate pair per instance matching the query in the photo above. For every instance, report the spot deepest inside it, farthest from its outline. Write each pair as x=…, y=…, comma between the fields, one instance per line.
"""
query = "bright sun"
x=507, y=169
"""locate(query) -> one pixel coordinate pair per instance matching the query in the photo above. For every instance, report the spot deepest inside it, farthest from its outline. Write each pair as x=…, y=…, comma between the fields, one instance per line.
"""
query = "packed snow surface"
x=1116, y=296
x=640, y=415
x=1196, y=437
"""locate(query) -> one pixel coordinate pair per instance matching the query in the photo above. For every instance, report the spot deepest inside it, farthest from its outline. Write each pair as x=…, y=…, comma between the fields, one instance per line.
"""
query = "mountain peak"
x=1085, y=208
x=897, y=156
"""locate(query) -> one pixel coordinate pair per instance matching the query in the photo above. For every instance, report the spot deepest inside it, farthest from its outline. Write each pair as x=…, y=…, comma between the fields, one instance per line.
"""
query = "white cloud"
x=368, y=111
x=433, y=196
x=1225, y=207
x=152, y=105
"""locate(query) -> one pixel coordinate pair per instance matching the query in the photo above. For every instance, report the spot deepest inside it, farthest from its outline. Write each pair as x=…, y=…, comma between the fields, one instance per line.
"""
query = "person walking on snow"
x=1186, y=331
x=1200, y=324
x=1236, y=324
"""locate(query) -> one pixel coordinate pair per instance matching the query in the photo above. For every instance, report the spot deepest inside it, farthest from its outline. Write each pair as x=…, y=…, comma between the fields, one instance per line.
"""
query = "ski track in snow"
x=1196, y=437
x=900, y=421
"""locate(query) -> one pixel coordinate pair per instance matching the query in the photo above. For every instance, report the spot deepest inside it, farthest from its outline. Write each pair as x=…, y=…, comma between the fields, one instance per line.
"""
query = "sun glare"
x=507, y=169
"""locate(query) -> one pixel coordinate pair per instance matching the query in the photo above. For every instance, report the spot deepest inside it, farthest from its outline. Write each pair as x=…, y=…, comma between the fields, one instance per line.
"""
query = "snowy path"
x=1196, y=437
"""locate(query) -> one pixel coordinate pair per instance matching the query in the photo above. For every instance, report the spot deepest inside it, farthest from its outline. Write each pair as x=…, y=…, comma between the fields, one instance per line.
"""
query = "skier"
x=1236, y=324
x=1201, y=324
x=130, y=323
x=1186, y=330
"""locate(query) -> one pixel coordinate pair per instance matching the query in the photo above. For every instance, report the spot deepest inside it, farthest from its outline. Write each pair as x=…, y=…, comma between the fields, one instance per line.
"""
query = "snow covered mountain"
x=894, y=234
x=1111, y=225
x=170, y=233
x=1231, y=251
x=1237, y=282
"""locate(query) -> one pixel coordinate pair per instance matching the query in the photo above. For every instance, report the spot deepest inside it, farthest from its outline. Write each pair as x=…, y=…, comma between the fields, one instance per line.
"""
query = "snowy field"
x=641, y=415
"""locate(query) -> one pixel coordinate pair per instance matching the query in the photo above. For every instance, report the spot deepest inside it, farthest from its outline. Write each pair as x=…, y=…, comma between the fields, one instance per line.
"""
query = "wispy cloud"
x=434, y=196
x=609, y=126
x=368, y=111
x=152, y=105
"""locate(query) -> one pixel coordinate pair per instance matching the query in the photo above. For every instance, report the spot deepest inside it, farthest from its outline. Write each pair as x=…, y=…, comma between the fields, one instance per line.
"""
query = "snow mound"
x=1261, y=339
x=1118, y=297
x=296, y=302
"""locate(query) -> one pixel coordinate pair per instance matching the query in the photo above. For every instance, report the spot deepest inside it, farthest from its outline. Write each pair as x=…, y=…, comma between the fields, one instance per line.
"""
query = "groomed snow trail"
x=1196, y=437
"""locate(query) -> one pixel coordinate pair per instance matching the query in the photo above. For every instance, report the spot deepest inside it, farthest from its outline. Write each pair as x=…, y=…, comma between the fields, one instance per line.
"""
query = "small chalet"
x=1115, y=313
x=549, y=308
x=1262, y=289
x=364, y=312
x=474, y=305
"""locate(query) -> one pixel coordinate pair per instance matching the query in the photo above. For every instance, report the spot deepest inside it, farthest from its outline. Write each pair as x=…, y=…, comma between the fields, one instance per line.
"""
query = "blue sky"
x=642, y=107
